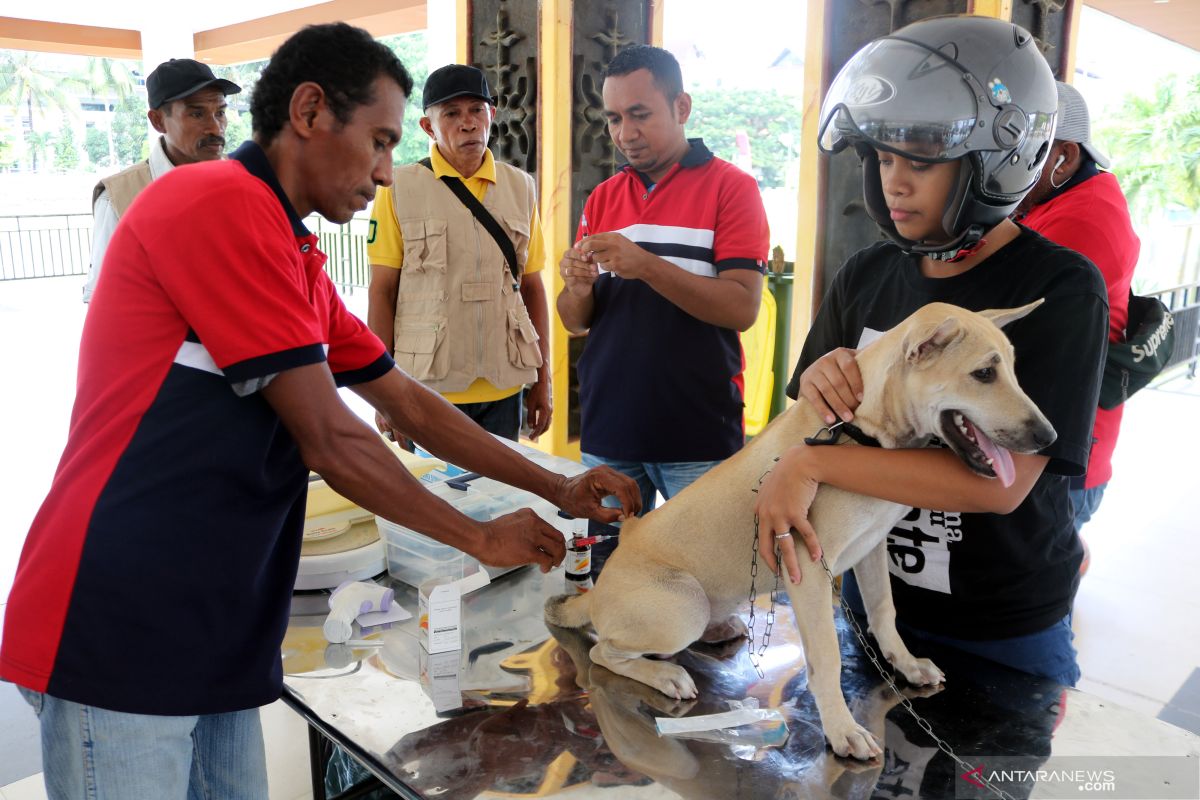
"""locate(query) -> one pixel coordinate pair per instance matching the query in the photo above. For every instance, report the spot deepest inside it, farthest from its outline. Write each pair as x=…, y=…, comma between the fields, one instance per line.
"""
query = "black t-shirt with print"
x=989, y=576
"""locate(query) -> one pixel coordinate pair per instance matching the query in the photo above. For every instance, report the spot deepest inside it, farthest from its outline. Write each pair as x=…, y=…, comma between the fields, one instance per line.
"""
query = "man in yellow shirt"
x=457, y=311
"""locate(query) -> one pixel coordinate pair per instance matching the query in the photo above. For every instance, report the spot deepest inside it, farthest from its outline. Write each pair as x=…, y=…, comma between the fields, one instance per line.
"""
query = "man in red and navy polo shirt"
x=667, y=270
x=152, y=595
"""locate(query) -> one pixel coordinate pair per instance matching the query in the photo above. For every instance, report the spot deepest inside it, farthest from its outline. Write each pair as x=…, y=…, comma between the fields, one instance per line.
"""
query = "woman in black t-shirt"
x=952, y=118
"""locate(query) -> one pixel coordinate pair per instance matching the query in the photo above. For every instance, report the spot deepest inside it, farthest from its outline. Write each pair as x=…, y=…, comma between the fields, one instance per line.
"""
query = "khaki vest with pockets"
x=124, y=186
x=458, y=316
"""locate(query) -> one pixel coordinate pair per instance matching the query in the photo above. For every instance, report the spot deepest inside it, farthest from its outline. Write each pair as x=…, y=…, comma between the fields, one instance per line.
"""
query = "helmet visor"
x=898, y=96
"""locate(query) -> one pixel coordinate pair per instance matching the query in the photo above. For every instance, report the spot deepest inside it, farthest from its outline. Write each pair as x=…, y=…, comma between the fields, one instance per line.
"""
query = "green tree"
x=130, y=136
x=106, y=79
x=30, y=89
x=1154, y=142
x=770, y=120
x=66, y=154
x=246, y=76
x=237, y=130
x=8, y=150
x=413, y=51
x=36, y=145
x=95, y=144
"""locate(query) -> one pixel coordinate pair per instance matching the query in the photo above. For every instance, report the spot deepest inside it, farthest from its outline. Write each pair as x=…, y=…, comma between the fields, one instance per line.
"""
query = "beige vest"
x=458, y=317
x=124, y=186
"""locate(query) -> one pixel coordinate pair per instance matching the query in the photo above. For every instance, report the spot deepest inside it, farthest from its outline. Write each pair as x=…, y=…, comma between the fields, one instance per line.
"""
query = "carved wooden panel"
x=504, y=44
x=845, y=227
x=1048, y=21
x=601, y=30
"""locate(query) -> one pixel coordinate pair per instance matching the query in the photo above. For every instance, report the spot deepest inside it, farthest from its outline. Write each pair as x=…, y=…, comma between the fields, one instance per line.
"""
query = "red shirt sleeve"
x=234, y=273
x=741, y=235
x=356, y=354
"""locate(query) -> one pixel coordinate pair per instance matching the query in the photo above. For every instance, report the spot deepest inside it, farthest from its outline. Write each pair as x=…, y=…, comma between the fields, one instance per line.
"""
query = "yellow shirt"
x=385, y=248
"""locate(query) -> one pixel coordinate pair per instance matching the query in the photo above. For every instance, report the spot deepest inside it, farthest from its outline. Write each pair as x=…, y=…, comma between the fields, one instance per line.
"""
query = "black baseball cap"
x=455, y=80
x=180, y=77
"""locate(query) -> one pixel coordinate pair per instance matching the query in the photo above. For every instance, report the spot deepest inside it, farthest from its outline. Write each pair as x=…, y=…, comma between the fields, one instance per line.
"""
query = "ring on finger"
x=783, y=535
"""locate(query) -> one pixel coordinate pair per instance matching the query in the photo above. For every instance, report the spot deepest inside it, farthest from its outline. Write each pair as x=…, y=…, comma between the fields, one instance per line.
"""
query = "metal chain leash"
x=756, y=658
x=966, y=766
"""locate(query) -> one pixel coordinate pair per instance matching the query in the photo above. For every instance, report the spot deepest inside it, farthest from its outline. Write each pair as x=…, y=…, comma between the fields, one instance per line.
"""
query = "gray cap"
x=1074, y=124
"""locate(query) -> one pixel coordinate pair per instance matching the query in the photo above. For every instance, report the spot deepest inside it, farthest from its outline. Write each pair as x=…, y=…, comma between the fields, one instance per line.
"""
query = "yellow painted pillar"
x=1075, y=10
x=462, y=31
x=554, y=191
x=656, y=22
x=1000, y=9
x=811, y=188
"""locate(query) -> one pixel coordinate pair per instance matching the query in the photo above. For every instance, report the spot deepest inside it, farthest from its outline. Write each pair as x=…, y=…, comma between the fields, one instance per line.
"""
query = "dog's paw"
x=920, y=671
x=853, y=740
x=673, y=680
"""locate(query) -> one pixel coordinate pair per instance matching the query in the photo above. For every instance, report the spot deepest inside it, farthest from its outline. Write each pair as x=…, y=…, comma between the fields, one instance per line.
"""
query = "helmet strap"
x=967, y=251
x=963, y=245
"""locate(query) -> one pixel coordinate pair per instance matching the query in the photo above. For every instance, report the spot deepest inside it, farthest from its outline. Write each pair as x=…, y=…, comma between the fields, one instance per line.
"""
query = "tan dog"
x=681, y=572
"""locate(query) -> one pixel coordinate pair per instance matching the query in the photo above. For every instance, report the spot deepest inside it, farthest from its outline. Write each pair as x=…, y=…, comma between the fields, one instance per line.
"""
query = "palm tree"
x=25, y=82
x=1154, y=141
x=106, y=77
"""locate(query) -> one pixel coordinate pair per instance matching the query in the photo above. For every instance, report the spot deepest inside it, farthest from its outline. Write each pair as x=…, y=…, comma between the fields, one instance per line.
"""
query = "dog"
x=681, y=572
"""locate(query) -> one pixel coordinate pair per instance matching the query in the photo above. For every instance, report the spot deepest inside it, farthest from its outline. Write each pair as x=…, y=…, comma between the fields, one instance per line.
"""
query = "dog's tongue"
x=1002, y=463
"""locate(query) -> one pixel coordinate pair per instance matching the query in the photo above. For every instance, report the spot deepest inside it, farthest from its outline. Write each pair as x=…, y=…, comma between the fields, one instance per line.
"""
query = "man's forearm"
x=922, y=478
x=724, y=302
x=356, y=463
x=575, y=312
x=447, y=433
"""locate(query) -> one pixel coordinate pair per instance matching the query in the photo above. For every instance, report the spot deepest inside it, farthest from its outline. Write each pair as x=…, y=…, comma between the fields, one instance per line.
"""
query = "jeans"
x=93, y=753
x=501, y=417
x=667, y=477
x=1047, y=653
x=1085, y=503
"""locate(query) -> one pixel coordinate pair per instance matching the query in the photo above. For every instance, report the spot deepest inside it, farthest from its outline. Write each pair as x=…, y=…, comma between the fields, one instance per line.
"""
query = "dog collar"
x=833, y=435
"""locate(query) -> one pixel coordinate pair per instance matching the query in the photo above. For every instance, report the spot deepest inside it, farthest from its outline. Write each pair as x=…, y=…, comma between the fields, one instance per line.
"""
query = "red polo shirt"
x=157, y=575
x=1092, y=218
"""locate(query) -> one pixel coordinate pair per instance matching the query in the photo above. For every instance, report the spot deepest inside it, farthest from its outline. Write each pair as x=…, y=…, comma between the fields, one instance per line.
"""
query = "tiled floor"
x=1135, y=616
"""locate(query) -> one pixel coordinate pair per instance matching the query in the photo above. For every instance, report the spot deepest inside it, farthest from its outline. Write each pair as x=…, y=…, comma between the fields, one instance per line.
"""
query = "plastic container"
x=415, y=558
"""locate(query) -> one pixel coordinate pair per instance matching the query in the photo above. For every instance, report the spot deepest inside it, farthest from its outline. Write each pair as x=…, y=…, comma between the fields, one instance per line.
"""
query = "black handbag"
x=1145, y=352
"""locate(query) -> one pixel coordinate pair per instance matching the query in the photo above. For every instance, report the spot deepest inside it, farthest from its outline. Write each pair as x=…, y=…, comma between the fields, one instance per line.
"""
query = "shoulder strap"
x=485, y=219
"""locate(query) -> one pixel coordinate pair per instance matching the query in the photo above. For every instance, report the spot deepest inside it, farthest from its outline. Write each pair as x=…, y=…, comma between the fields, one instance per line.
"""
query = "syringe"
x=588, y=541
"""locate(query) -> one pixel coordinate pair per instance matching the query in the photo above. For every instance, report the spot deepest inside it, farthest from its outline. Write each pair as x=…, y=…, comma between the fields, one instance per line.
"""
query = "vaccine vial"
x=579, y=560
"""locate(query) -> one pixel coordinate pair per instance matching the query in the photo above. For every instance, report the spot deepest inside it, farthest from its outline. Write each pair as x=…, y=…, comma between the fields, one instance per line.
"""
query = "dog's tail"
x=569, y=611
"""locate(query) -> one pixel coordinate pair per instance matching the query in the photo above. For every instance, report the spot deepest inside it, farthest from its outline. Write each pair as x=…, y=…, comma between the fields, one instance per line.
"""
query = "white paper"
x=394, y=614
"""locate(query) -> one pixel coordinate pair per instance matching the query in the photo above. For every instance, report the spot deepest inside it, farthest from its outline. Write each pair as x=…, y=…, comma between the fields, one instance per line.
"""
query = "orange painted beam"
x=257, y=38
x=60, y=37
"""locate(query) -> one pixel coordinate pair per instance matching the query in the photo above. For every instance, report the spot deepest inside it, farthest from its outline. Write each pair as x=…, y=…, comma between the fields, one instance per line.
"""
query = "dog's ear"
x=1003, y=316
x=922, y=344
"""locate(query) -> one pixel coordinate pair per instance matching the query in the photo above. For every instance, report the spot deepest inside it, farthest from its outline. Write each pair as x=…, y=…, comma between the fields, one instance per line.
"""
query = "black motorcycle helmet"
x=941, y=89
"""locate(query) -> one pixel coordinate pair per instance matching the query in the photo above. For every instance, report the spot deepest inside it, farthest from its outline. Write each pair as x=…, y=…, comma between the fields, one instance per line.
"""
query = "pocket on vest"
x=424, y=246
x=523, y=350
x=421, y=350
x=518, y=231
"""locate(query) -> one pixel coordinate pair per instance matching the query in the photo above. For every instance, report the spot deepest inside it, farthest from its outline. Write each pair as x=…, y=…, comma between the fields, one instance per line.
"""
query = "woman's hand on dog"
x=833, y=385
x=784, y=498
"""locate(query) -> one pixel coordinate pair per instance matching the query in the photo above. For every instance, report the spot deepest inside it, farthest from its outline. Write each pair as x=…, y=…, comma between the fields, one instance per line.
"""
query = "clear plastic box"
x=415, y=558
